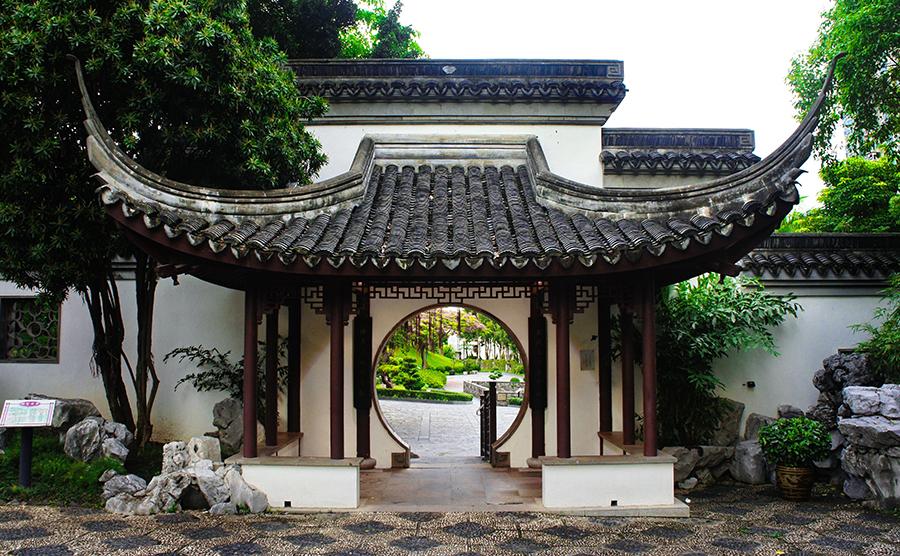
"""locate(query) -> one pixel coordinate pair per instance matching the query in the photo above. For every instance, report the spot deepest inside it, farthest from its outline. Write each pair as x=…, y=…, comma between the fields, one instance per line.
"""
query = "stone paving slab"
x=441, y=430
x=764, y=525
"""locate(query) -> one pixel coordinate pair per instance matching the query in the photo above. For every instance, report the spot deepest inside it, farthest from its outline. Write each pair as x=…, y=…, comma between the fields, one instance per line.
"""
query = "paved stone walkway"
x=725, y=520
x=438, y=430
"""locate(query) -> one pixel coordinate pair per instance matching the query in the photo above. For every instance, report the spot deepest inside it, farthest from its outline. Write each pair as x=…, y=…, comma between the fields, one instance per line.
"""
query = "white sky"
x=688, y=63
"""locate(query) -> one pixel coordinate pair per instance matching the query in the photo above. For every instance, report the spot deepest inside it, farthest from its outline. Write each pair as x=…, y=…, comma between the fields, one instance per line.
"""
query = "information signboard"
x=27, y=413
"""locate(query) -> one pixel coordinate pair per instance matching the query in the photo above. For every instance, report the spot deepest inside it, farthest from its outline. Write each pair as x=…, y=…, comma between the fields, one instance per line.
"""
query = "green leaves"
x=866, y=98
x=182, y=85
x=796, y=442
x=883, y=346
x=860, y=195
x=699, y=322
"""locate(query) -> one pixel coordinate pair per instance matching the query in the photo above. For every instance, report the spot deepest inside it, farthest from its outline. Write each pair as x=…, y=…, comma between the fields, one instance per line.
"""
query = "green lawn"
x=432, y=377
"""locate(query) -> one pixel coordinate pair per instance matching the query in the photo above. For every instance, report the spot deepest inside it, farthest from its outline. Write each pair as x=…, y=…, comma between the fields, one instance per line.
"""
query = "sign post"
x=25, y=415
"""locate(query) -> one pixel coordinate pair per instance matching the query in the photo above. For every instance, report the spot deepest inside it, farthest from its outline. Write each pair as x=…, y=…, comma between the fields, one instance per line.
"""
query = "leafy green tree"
x=185, y=88
x=866, y=96
x=699, y=322
x=304, y=28
x=883, y=347
x=378, y=33
x=860, y=195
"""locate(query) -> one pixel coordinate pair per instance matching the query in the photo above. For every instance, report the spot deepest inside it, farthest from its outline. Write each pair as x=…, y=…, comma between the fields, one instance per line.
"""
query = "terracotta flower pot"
x=794, y=483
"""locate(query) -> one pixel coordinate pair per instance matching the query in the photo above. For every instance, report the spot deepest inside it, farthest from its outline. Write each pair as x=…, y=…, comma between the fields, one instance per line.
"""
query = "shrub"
x=56, y=478
x=796, y=442
x=515, y=380
x=495, y=375
x=514, y=401
x=883, y=347
x=471, y=366
x=436, y=395
x=699, y=322
x=216, y=372
x=433, y=378
x=409, y=374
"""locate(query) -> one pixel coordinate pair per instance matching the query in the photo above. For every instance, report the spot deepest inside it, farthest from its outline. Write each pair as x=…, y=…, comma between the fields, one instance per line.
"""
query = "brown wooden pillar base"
x=251, y=304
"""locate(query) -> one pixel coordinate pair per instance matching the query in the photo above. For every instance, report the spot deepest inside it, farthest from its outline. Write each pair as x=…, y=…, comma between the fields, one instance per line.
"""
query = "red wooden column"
x=250, y=337
x=271, y=423
x=537, y=372
x=604, y=359
x=625, y=318
x=563, y=314
x=293, y=378
x=648, y=307
x=337, y=305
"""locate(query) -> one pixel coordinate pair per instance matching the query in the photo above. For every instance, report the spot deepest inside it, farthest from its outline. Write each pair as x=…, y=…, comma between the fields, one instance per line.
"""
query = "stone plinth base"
x=613, y=483
x=304, y=483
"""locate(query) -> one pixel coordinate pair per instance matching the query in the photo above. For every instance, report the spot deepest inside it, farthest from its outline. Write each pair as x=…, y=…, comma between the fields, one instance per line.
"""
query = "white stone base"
x=305, y=483
x=608, y=482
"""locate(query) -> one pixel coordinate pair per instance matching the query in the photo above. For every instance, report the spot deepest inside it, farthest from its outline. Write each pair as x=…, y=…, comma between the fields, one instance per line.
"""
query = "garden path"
x=440, y=430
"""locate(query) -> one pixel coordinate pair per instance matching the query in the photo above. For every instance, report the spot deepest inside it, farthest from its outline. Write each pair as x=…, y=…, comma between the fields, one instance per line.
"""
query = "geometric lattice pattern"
x=30, y=329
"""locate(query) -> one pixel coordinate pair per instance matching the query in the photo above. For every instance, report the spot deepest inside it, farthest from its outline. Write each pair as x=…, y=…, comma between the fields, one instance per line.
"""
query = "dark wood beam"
x=604, y=363
x=362, y=373
x=648, y=337
x=537, y=372
x=560, y=298
x=271, y=423
x=337, y=305
x=250, y=356
x=293, y=362
x=627, y=359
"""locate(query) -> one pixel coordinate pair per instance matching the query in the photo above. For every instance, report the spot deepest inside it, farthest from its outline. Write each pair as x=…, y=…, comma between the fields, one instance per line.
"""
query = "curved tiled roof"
x=653, y=162
x=486, y=213
x=825, y=255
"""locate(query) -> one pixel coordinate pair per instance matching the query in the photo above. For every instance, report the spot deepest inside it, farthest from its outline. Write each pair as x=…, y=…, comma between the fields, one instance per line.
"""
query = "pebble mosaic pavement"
x=725, y=520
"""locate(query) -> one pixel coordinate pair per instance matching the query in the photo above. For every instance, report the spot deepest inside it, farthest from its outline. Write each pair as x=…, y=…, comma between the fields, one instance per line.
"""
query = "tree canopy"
x=866, y=96
x=334, y=28
x=860, y=196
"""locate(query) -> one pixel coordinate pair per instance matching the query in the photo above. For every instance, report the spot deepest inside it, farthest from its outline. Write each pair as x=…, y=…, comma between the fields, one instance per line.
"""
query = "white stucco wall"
x=819, y=330
x=572, y=151
x=199, y=313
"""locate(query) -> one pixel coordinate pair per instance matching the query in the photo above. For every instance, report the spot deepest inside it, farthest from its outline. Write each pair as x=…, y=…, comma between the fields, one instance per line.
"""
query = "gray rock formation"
x=84, y=441
x=871, y=457
x=687, y=459
x=713, y=456
x=175, y=457
x=756, y=421
x=748, y=465
x=242, y=494
x=871, y=431
x=94, y=437
x=112, y=448
x=204, y=448
x=727, y=433
x=224, y=508
x=788, y=411
x=127, y=484
x=68, y=411
x=227, y=415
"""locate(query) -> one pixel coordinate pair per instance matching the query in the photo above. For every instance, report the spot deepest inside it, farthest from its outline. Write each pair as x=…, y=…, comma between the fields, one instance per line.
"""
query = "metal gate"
x=488, y=413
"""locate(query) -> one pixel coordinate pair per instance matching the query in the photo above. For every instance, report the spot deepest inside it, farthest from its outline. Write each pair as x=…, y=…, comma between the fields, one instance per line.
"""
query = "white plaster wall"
x=652, y=182
x=819, y=331
x=572, y=151
x=192, y=313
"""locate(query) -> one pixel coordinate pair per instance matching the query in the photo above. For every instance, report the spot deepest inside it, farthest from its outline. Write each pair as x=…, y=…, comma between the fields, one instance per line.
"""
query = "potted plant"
x=792, y=445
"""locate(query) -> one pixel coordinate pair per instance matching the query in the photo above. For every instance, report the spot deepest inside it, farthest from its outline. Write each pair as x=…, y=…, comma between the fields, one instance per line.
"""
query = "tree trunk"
x=102, y=299
x=146, y=381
